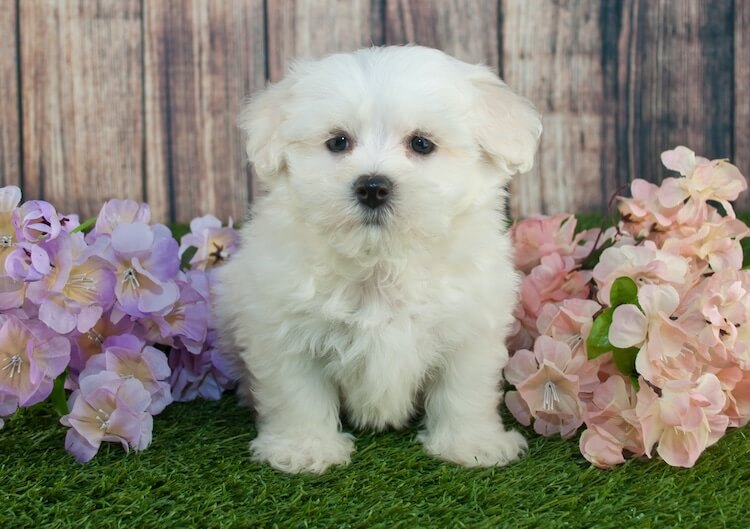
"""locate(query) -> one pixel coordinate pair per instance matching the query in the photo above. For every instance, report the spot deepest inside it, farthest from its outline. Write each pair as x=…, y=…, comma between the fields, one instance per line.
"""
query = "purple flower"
x=146, y=263
x=31, y=356
x=8, y=404
x=69, y=222
x=189, y=317
x=11, y=290
x=116, y=212
x=214, y=244
x=10, y=197
x=129, y=357
x=206, y=375
x=36, y=220
x=80, y=288
x=28, y=262
x=107, y=407
x=98, y=338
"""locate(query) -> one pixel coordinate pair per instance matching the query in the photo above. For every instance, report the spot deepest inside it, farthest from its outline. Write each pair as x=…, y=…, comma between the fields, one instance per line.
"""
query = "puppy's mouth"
x=376, y=217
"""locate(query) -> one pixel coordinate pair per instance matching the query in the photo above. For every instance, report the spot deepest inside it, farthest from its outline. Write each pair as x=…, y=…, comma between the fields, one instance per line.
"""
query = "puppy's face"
x=388, y=140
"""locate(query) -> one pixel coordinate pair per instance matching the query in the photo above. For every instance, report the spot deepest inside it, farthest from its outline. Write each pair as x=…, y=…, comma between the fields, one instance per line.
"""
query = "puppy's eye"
x=421, y=145
x=339, y=143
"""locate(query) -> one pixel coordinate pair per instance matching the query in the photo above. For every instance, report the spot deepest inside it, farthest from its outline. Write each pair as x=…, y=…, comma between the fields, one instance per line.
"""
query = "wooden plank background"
x=138, y=98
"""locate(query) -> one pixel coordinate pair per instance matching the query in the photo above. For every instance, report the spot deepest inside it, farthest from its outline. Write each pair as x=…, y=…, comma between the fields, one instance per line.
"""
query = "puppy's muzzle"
x=373, y=191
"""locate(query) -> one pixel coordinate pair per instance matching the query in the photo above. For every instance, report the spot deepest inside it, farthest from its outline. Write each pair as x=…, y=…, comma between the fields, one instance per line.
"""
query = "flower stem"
x=58, y=397
x=84, y=226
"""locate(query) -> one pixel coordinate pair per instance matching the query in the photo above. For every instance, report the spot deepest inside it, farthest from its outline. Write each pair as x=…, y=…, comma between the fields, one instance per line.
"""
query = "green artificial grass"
x=197, y=473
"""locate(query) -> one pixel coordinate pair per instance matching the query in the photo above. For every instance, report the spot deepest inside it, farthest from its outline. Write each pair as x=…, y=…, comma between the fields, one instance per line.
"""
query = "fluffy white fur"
x=332, y=314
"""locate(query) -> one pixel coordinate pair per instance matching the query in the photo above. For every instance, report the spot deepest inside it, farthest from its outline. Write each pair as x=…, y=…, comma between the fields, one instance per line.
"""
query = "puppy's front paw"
x=303, y=452
x=488, y=447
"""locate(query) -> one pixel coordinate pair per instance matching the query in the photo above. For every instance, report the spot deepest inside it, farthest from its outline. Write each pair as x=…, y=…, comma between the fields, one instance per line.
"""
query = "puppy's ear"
x=260, y=120
x=507, y=125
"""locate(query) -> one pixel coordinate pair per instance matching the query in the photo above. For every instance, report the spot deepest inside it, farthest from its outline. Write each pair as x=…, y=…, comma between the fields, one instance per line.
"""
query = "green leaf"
x=58, y=396
x=85, y=226
x=624, y=291
x=179, y=230
x=625, y=360
x=745, y=243
x=597, y=342
x=185, y=259
x=593, y=258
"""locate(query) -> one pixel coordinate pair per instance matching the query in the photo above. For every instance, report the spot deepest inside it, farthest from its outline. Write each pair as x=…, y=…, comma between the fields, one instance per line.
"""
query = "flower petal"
x=628, y=327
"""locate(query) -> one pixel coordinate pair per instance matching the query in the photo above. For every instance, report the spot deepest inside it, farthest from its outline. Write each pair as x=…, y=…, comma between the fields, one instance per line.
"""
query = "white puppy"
x=376, y=274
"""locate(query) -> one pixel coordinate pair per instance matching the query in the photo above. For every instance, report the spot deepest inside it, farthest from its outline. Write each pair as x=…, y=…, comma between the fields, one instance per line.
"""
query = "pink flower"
x=650, y=329
x=540, y=235
x=31, y=356
x=107, y=408
x=643, y=264
x=554, y=279
x=549, y=382
x=213, y=243
x=737, y=388
x=129, y=357
x=684, y=420
x=715, y=241
x=568, y=321
x=612, y=424
x=643, y=212
x=716, y=313
x=703, y=180
x=735, y=383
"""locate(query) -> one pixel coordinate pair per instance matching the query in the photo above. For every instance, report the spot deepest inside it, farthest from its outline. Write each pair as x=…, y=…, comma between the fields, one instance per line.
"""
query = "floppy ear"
x=507, y=125
x=260, y=120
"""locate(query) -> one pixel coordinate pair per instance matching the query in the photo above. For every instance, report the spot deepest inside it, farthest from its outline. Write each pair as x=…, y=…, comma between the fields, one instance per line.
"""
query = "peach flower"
x=703, y=180
x=553, y=280
x=549, y=382
x=612, y=424
x=540, y=235
x=644, y=264
x=642, y=213
x=685, y=420
x=651, y=329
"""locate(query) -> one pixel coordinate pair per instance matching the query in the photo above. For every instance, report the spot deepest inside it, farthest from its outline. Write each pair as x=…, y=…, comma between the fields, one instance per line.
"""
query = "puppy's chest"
x=372, y=321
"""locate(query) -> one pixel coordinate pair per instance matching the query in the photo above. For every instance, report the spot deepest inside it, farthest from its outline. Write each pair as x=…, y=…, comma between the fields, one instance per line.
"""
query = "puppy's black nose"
x=373, y=190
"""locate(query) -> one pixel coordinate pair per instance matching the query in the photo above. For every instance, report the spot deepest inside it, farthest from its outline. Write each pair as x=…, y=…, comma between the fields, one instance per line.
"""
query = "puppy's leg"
x=298, y=418
x=463, y=424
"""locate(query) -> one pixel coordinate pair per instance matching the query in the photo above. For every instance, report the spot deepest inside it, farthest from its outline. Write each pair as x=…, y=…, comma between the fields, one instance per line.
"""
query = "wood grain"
x=741, y=155
x=676, y=67
x=202, y=58
x=313, y=28
x=82, y=101
x=552, y=55
x=138, y=98
x=466, y=29
x=10, y=130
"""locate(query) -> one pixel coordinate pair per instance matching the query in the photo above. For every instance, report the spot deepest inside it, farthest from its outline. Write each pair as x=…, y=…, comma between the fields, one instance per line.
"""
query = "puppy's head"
x=389, y=140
